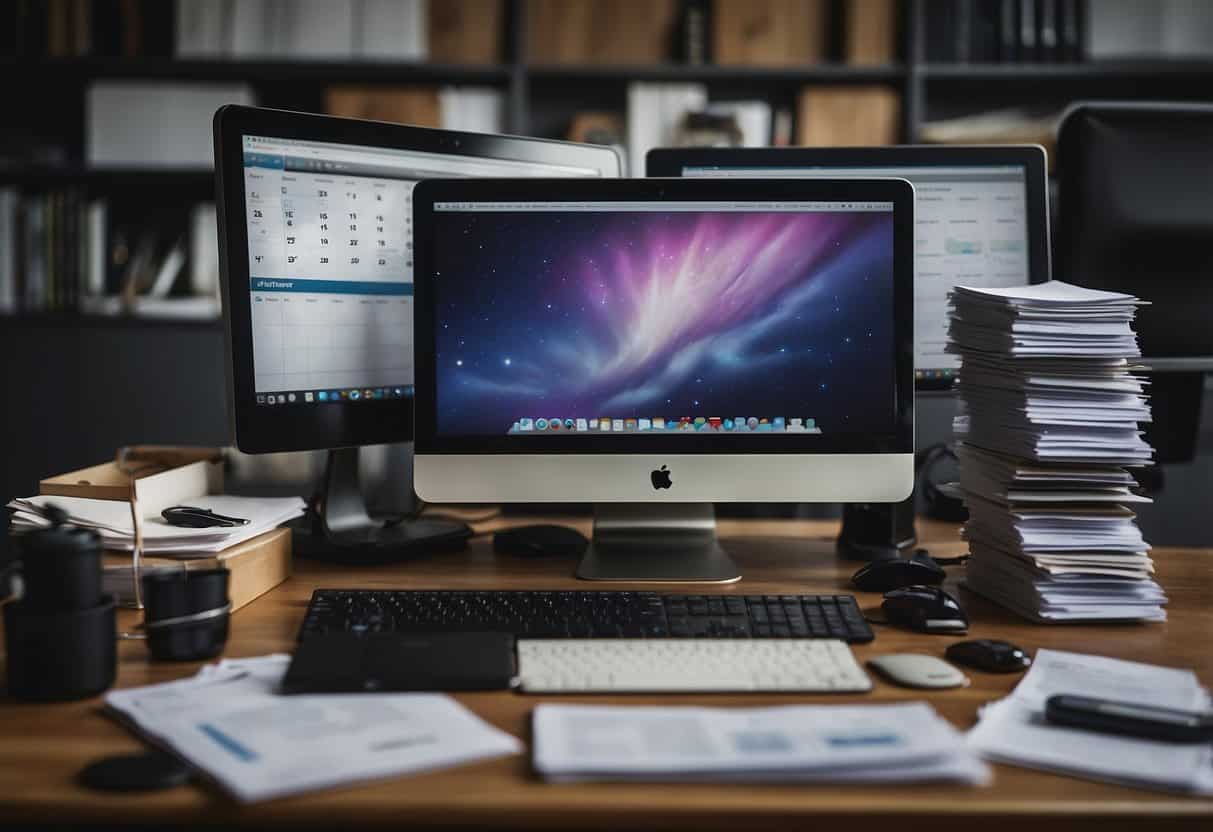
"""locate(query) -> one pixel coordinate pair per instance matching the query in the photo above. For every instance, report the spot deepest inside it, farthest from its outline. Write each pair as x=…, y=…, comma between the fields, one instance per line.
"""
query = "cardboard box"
x=257, y=566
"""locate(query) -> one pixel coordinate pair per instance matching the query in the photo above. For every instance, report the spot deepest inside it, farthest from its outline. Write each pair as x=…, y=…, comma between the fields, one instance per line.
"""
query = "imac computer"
x=652, y=346
x=981, y=217
x=1136, y=205
x=316, y=252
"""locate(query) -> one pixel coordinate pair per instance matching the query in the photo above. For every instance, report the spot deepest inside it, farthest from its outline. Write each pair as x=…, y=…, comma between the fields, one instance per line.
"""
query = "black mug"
x=186, y=613
x=60, y=569
x=60, y=655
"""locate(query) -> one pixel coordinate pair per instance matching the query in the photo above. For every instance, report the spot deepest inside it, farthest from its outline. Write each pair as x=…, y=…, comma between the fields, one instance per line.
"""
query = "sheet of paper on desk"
x=1013, y=730
x=229, y=722
x=112, y=520
x=811, y=743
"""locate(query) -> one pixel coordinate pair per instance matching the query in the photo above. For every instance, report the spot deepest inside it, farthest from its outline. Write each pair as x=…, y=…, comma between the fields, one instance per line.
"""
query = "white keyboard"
x=678, y=665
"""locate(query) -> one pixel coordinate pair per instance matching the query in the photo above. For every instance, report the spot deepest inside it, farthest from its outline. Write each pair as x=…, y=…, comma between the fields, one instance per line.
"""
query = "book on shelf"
x=848, y=116
x=622, y=32
x=769, y=32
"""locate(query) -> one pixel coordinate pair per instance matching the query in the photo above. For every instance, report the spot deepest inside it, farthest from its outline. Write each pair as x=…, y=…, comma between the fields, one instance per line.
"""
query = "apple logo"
x=661, y=478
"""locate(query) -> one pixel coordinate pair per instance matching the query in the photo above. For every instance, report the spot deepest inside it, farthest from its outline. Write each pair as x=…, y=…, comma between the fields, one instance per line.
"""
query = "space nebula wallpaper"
x=663, y=314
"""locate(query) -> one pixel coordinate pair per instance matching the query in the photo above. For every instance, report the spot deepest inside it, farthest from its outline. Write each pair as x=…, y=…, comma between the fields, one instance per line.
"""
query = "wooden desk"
x=42, y=747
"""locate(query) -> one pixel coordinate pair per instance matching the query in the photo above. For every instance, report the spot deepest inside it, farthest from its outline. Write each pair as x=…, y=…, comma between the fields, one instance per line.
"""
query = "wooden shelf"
x=84, y=70
x=811, y=73
x=1162, y=70
x=76, y=320
x=78, y=174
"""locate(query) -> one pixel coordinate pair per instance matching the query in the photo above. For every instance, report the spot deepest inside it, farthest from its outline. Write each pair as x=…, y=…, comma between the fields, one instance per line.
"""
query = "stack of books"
x=1050, y=421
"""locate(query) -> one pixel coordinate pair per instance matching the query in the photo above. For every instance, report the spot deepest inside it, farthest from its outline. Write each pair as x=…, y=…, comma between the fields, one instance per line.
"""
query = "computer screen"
x=330, y=259
x=663, y=318
x=971, y=228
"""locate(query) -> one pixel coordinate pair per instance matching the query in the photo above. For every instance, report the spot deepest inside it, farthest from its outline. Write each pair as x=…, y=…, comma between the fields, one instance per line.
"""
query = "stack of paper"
x=111, y=519
x=1013, y=730
x=1050, y=418
x=906, y=742
x=230, y=722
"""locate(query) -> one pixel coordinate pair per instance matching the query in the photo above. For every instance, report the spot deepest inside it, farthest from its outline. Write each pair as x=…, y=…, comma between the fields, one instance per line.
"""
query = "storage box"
x=257, y=566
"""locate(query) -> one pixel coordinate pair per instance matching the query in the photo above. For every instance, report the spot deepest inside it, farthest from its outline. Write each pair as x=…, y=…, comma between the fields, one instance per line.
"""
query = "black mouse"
x=989, y=654
x=883, y=575
x=927, y=609
x=540, y=540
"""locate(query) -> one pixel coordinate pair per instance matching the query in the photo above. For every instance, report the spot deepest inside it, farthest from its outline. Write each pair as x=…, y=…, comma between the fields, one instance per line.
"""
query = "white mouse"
x=914, y=670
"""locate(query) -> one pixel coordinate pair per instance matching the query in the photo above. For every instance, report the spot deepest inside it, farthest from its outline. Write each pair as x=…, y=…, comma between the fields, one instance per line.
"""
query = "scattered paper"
x=810, y=743
x=1013, y=730
x=230, y=723
x=111, y=519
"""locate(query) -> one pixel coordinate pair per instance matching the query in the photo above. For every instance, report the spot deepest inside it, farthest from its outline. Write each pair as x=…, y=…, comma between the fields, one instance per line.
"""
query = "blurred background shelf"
x=131, y=85
x=87, y=70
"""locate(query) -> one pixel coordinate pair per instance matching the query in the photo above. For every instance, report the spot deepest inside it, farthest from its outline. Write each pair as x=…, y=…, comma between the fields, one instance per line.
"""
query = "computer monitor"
x=316, y=251
x=982, y=217
x=643, y=343
x=1136, y=202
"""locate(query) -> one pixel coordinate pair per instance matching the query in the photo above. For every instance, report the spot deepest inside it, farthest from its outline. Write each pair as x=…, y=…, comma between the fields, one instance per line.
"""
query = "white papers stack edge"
x=907, y=742
x=230, y=723
x=1050, y=419
x=1013, y=730
x=111, y=519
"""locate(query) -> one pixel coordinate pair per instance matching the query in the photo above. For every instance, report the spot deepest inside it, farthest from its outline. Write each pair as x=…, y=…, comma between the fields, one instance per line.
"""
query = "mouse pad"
x=346, y=663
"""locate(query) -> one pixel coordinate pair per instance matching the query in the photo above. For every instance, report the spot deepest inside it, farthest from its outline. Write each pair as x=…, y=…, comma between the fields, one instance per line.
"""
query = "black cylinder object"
x=180, y=594
x=60, y=568
x=60, y=655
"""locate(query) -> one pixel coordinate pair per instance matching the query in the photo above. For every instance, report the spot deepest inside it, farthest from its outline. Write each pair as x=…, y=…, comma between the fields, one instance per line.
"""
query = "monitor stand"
x=344, y=532
x=656, y=542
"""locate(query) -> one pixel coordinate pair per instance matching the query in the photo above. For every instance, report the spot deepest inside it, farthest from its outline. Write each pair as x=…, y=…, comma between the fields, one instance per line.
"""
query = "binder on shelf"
x=622, y=32
x=769, y=32
x=847, y=116
x=871, y=32
x=466, y=31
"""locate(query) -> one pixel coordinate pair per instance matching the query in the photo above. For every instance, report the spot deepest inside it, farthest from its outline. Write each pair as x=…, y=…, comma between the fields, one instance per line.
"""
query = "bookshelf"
x=541, y=97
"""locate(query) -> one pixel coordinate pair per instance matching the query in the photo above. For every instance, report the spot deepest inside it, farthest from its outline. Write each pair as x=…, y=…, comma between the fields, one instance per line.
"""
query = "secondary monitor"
x=1137, y=216
x=981, y=217
x=316, y=249
x=663, y=341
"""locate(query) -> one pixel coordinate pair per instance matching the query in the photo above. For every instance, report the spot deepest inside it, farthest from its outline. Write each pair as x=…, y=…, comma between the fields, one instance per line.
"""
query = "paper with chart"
x=230, y=723
x=821, y=743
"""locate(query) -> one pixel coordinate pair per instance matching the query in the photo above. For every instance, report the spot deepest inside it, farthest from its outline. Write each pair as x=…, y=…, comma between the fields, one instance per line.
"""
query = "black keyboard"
x=585, y=614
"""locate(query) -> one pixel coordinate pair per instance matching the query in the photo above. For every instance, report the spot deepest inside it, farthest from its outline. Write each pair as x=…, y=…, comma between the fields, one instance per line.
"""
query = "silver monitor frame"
x=645, y=528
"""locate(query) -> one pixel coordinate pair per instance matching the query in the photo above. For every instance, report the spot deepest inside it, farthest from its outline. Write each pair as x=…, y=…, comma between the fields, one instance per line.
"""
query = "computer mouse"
x=989, y=654
x=927, y=609
x=540, y=540
x=914, y=670
x=883, y=575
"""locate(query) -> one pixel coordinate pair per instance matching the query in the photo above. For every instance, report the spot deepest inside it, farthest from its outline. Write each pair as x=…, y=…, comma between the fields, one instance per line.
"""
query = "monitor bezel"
x=900, y=439
x=262, y=429
x=671, y=161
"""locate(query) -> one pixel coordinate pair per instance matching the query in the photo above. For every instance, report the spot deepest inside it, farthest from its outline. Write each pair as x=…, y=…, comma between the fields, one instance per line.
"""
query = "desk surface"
x=41, y=747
